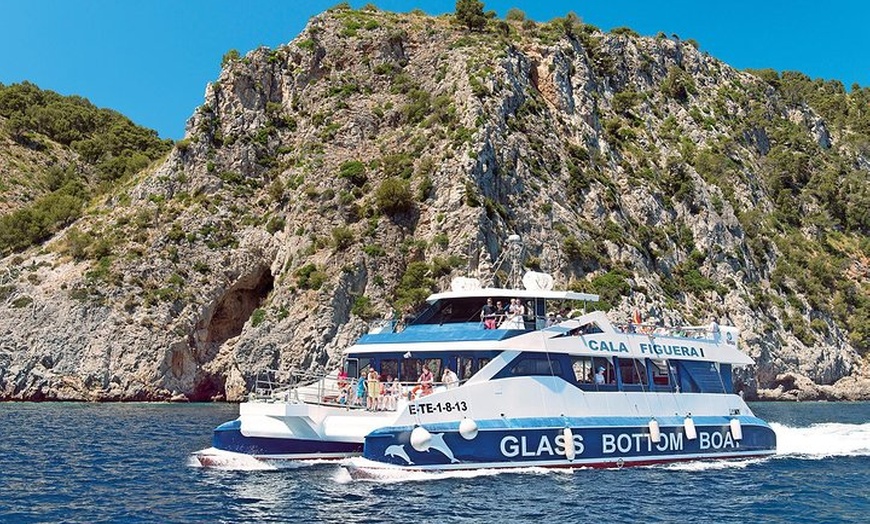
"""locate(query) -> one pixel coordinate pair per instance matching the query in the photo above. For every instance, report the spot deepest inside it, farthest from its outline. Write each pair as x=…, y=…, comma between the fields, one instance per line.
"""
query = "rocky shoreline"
x=798, y=388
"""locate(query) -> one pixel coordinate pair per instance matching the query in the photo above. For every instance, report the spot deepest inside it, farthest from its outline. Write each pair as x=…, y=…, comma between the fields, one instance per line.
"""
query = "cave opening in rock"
x=236, y=306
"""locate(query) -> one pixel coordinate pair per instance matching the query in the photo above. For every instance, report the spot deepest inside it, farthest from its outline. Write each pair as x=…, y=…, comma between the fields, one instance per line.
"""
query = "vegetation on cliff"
x=348, y=174
x=105, y=147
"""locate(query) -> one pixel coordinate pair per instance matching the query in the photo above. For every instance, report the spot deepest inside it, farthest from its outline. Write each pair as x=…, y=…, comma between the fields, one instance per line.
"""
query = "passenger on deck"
x=360, y=389
x=599, y=376
x=424, y=384
x=449, y=378
x=342, y=379
x=392, y=390
x=714, y=330
x=514, y=319
x=374, y=390
x=499, y=312
x=343, y=393
x=487, y=314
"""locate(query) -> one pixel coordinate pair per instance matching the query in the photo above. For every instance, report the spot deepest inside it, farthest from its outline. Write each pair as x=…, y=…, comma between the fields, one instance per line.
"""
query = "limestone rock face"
x=269, y=238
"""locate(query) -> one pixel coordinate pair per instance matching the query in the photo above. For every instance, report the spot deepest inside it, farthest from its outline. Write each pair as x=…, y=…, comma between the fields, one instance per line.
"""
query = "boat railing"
x=700, y=332
x=328, y=389
x=285, y=386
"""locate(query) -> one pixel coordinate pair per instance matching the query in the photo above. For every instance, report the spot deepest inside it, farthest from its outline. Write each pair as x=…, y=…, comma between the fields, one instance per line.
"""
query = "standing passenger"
x=374, y=390
x=488, y=315
x=360, y=389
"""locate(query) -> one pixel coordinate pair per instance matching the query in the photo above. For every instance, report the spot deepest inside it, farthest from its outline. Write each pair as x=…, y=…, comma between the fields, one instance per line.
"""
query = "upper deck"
x=453, y=322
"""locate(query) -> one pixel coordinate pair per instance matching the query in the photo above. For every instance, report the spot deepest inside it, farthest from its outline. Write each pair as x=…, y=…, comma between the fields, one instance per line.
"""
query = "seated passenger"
x=449, y=378
x=599, y=376
x=343, y=394
x=424, y=384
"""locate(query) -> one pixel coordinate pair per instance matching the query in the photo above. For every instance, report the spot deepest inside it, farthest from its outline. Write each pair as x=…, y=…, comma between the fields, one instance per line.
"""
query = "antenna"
x=513, y=257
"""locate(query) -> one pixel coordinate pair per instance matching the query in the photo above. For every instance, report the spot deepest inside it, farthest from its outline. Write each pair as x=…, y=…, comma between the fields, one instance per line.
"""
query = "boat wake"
x=821, y=441
x=214, y=458
x=360, y=469
x=815, y=442
x=711, y=465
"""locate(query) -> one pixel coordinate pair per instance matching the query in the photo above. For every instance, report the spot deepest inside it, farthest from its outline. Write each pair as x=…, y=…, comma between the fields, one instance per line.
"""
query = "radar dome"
x=535, y=281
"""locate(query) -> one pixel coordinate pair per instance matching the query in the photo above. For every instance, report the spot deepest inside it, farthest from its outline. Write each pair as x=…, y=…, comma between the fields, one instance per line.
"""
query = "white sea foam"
x=368, y=471
x=711, y=465
x=822, y=440
x=214, y=458
x=815, y=442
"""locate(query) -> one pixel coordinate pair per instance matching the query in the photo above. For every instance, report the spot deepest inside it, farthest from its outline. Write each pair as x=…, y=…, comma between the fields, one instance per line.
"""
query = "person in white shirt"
x=449, y=378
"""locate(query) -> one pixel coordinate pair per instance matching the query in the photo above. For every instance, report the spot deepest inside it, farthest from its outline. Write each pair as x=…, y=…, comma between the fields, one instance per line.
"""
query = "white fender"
x=655, y=433
x=468, y=428
x=421, y=439
x=736, y=429
x=689, y=427
x=570, y=450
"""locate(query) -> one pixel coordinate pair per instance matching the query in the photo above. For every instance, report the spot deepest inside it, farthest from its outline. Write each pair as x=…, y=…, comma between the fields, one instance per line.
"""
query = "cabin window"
x=663, y=374
x=351, y=367
x=389, y=367
x=585, y=329
x=632, y=371
x=434, y=365
x=584, y=371
x=727, y=379
x=588, y=377
x=703, y=377
x=481, y=362
x=660, y=375
x=411, y=369
x=537, y=366
x=466, y=368
x=364, y=365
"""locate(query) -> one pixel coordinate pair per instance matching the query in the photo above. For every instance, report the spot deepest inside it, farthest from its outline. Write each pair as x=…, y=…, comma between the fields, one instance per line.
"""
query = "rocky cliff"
x=349, y=173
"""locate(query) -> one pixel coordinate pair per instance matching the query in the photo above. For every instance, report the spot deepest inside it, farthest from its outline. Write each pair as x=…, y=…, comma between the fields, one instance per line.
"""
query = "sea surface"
x=69, y=462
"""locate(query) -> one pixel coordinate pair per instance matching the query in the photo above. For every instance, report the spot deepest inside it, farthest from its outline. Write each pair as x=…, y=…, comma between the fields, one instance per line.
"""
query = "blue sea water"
x=64, y=462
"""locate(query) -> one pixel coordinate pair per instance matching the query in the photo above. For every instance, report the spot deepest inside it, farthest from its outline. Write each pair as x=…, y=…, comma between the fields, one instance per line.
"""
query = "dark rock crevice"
x=235, y=307
x=222, y=322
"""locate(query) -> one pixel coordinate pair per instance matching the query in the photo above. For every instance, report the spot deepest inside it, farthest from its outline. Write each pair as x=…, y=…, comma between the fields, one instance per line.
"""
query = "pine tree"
x=470, y=13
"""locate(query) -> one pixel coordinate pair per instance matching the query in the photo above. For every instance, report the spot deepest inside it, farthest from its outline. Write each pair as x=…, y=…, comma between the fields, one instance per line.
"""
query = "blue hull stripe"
x=228, y=437
x=576, y=422
x=596, y=446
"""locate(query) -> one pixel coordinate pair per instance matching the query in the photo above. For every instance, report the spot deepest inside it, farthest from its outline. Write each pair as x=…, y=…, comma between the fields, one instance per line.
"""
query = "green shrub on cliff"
x=394, y=196
x=106, y=140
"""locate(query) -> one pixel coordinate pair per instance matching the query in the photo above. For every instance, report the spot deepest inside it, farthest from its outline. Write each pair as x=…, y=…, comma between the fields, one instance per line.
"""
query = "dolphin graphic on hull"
x=440, y=446
x=398, y=450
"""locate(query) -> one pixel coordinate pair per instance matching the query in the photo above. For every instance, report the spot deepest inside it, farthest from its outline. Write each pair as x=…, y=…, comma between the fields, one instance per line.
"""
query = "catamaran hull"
x=229, y=437
x=510, y=444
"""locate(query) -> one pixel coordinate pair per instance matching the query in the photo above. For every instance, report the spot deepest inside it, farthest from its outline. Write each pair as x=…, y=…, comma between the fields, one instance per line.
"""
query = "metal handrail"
x=321, y=388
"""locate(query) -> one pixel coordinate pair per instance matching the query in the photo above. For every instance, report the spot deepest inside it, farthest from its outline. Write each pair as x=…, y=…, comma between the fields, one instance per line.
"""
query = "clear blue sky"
x=152, y=59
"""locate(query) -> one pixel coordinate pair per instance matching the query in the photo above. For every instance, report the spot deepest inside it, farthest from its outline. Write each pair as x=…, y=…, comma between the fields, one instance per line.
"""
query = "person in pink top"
x=424, y=384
